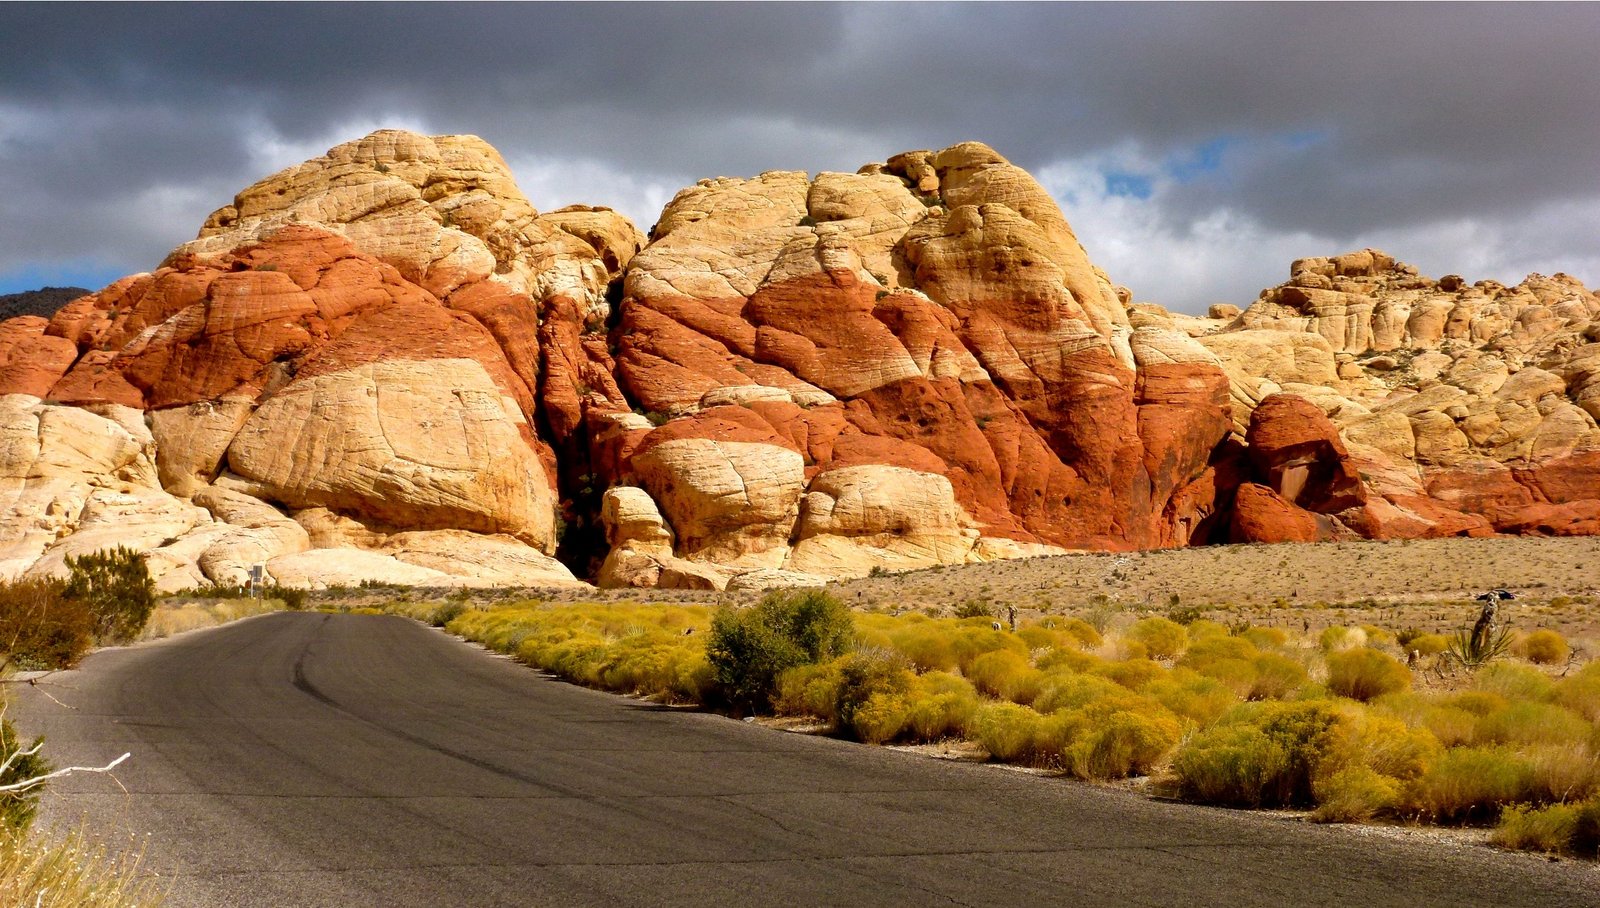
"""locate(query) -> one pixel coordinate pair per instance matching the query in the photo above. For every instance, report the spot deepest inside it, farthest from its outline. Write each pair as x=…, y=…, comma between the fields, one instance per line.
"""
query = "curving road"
x=317, y=760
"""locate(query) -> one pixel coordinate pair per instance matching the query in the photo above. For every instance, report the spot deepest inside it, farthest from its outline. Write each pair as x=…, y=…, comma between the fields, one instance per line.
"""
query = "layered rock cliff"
x=385, y=364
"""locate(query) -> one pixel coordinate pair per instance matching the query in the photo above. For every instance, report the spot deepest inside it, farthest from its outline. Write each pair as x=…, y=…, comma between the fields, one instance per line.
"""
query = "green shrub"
x=447, y=613
x=1006, y=675
x=1542, y=647
x=1266, y=637
x=1278, y=677
x=1580, y=692
x=750, y=648
x=809, y=690
x=1334, y=639
x=1194, y=697
x=1528, y=722
x=942, y=705
x=1117, y=741
x=17, y=808
x=1362, y=674
x=1514, y=682
x=1161, y=638
x=1009, y=732
x=1063, y=690
x=1354, y=794
x=1074, y=630
x=1133, y=673
x=1259, y=755
x=873, y=695
x=116, y=587
x=1549, y=829
x=40, y=628
x=1472, y=783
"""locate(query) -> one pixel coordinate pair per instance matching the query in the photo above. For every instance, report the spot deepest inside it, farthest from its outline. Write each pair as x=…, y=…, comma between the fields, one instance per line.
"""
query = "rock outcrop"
x=385, y=364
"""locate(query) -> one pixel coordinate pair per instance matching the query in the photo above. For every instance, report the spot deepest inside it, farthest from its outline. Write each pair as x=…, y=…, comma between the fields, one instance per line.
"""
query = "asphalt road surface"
x=317, y=760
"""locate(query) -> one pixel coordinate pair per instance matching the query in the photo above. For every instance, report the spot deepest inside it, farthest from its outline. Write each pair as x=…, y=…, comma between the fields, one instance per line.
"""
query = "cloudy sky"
x=1195, y=148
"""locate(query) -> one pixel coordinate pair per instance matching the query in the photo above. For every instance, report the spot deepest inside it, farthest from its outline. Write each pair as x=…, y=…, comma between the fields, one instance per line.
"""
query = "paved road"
x=315, y=760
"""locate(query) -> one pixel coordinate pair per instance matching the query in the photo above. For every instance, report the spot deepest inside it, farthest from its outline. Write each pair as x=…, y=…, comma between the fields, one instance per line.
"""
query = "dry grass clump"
x=70, y=873
x=1363, y=674
x=172, y=617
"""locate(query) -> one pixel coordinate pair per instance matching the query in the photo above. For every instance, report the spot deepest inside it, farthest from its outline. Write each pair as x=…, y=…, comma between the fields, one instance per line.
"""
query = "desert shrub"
x=1334, y=639
x=1562, y=772
x=1427, y=644
x=1449, y=725
x=1116, y=740
x=116, y=587
x=1074, y=630
x=942, y=705
x=1514, y=682
x=1354, y=794
x=750, y=648
x=1160, y=637
x=1542, y=647
x=446, y=613
x=1528, y=722
x=1258, y=755
x=1266, y=637
x=1471, y=783
x=17, y=808
x=1377, y=636
x=1009, y=732
x=1064, y=690
x=1362, y=674
x=973, y=639
x=1071, y=660
x=972, y=608
x=1133, y=673
x=1549, y=829
x=1477, y=702
x=1192, y=696
x=71, y=873
x=1007, y=675
x=873, y=695
x=40, y=628
x=809, y=690
x=1277, y=677
x=1580, y=692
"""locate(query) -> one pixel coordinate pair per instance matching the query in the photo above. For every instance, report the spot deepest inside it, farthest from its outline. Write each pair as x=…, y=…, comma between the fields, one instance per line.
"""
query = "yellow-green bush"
x=1114, y=740
x=1195, y=697
x=1007, y=675
x=1580, y=692
x=1514, y=682
x=1354, y=794
x=1542, y=647
x=1160, y=637
x=1009, y=732
x=1334, y=639
x=1532, y=722
x=1064, y=689
x=1258, y=755
x=1277, y=677
x=874, y=695
x=1132, y=673
x=1266, y=637
x=1427, y=644
x=1362, y=674
x=1073, y=630
x=810, y=690
x=1471, y=783
x=942, y=705
x=1559, y=828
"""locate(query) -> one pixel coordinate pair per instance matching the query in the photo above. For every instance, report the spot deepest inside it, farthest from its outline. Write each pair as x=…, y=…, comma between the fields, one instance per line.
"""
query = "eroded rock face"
x=928, y=368
x=1455, y=400
x=359, y=334
x=386, y=364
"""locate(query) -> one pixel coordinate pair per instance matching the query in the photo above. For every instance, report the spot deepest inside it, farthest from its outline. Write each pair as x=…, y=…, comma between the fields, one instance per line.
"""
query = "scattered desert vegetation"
x=1350, y=723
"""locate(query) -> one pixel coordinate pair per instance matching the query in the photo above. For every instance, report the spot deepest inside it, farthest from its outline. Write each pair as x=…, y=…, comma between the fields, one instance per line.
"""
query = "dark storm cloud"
x=1338, y=121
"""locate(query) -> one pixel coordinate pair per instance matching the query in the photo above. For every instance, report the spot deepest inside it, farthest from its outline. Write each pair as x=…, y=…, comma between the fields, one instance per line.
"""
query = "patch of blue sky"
x=1129, y=185
x=80, y=273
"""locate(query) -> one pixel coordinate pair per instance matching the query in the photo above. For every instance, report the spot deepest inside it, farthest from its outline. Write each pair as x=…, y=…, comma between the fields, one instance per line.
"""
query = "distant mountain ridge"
x=44, y=301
